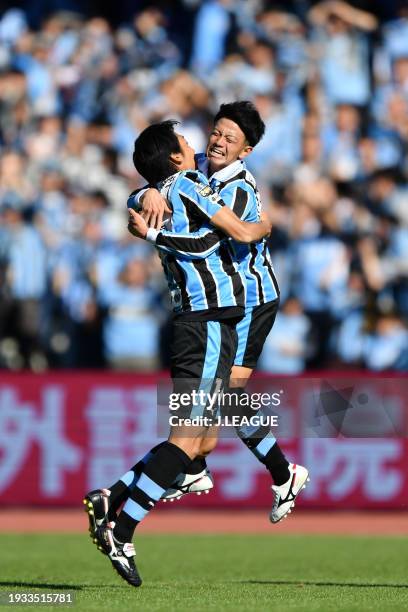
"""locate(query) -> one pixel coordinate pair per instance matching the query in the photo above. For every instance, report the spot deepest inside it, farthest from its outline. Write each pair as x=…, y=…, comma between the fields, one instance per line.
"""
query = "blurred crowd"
x=330, y=80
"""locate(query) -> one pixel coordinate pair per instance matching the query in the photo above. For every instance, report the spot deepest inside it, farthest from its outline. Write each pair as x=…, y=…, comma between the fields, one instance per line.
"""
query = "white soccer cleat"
x=189, y=483
x=286, y=494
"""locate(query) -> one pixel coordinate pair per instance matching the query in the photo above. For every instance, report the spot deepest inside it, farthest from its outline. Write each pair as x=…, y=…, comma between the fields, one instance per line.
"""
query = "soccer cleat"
x=96, y=505
x=189, y=483
x=286, y=494
x=121, y=554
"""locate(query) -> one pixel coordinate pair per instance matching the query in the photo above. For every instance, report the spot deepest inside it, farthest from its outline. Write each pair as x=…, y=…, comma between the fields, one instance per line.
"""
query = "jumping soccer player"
x=208, y=298
x=237, y=129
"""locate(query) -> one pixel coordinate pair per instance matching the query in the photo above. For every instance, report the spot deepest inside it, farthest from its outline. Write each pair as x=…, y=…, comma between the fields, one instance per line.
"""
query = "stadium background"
x=84, y=315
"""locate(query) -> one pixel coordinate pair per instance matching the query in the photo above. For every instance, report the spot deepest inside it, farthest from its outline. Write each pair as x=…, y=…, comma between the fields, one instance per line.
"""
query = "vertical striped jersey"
x=236, y=187
x=204, y=281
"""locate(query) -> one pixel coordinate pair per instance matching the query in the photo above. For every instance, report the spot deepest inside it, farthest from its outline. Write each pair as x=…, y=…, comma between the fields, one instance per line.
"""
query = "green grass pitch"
x=214, y=573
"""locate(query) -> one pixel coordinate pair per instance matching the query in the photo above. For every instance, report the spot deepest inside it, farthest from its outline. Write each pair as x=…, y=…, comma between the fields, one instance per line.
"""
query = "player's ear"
x=245, y=151
x=176, y=158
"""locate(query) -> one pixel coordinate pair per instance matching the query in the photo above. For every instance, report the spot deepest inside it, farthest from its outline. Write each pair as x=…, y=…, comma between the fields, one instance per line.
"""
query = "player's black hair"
x=153, y=147
x=246, y=116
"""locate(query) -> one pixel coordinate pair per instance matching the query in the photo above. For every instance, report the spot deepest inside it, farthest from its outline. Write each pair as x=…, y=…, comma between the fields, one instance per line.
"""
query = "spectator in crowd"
x=342, y=49
x=131, y=325
x=76, y=88
x=350, y=335
x=24, y=285
x=387, y=347
x=287, y=347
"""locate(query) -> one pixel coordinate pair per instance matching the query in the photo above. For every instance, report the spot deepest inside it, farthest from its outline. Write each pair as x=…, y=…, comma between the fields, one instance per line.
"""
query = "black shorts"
x=252, y=332
x=202, y=355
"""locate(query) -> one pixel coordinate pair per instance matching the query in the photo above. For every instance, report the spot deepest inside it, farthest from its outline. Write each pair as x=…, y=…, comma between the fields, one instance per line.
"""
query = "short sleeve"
x=195, y=190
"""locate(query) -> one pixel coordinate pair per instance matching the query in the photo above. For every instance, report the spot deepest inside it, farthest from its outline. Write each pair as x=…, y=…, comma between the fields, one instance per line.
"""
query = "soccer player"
x=238, y=127
x=208, y=297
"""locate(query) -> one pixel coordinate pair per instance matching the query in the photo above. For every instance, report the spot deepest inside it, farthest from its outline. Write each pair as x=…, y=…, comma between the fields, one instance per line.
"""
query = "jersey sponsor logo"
x=204, y=190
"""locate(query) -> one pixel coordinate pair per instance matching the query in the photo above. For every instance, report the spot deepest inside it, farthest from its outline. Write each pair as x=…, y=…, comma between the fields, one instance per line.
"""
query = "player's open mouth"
x=215, y=152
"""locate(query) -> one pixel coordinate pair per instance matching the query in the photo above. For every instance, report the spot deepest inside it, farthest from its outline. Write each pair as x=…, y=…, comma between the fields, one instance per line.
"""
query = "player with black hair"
x=228, y=146
x=208, y=297
x=237, y=128
x=246, y=116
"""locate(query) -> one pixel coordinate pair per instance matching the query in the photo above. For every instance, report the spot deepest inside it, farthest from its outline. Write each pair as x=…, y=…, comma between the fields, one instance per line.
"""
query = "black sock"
x=277, y=464
x=120, y=491
x=124, y=528
x=196, y=466
x=158, y=474
x=274, y=460
x=138, y=467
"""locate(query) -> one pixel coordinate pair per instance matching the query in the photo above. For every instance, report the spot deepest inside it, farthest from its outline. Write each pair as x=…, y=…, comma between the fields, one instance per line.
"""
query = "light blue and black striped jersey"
x=200, y=284
x=237, y=188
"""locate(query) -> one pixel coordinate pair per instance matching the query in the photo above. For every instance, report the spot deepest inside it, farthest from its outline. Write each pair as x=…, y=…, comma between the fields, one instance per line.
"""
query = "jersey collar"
x=228, y=172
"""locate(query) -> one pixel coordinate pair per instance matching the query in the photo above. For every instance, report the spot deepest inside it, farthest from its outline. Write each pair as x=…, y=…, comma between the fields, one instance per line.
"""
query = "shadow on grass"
x=57, y=586
x=41, y=585
x=300, y=583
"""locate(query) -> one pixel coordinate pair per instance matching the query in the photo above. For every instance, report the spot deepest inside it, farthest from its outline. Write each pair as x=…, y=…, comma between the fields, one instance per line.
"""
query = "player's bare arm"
x=225, y=219
x=242, y=231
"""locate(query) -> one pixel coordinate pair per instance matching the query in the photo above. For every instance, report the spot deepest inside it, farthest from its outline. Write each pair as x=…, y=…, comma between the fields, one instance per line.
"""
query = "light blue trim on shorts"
x=211, y=359
x=242, y=332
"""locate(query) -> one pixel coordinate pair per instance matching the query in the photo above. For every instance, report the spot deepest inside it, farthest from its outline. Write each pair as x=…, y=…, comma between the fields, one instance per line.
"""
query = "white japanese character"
x=21, y=426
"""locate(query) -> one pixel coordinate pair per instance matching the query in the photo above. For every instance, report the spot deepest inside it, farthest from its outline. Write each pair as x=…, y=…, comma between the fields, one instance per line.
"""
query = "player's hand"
x=265, y=220
x=137, y=226
x=153, y=208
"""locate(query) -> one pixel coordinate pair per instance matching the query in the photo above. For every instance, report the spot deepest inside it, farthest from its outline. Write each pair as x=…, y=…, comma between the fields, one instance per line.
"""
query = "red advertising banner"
x=62, y=434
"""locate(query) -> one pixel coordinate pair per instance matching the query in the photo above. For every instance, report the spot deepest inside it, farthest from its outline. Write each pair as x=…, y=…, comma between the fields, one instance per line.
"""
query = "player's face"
x=226, y=144
x=186, y=157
